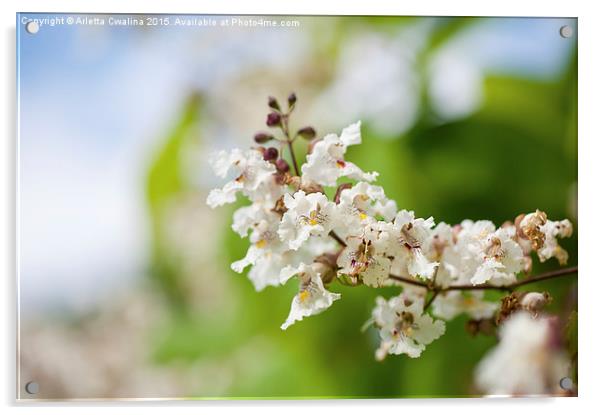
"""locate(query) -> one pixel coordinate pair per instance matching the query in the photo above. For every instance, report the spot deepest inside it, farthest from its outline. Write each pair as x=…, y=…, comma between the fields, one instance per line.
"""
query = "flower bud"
x=282, y=166
x=273, y=103
x=307, y=132
x=534, y=302
x=292, y=98
x=261, y=137
x=270, y=154
x=274, y=119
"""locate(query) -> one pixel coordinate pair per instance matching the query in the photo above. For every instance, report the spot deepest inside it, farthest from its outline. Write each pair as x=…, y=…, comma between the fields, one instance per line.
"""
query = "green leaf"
x=164, y=184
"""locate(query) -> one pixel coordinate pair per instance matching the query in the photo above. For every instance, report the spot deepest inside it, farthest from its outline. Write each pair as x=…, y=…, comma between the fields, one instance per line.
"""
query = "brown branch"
x=537, y=278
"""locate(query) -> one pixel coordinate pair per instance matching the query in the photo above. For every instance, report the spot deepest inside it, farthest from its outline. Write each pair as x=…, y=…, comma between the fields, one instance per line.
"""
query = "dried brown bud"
x=274, y=119
x=510, y=304
x=312, y=188
x=270, y=154
x=261, y=137
x=309, y=133
x=529, y=227
x=279, y=207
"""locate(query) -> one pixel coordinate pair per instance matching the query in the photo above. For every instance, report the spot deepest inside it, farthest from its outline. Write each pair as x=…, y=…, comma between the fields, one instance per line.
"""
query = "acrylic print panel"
x=398, y=220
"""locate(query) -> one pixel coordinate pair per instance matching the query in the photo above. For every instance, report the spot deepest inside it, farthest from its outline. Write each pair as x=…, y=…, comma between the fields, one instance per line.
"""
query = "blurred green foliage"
x=517, y=153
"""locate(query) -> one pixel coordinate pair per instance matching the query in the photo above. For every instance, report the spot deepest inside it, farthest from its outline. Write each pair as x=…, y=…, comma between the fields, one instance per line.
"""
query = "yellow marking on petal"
x=468, y=301
x=261, y=243
x=363, y=216
x=303, y=296
x=340, y=164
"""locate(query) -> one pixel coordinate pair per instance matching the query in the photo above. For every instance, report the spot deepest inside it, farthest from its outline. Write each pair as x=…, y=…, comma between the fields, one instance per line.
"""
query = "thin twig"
x=429, y=302
x=541, y=277
x=337, y=238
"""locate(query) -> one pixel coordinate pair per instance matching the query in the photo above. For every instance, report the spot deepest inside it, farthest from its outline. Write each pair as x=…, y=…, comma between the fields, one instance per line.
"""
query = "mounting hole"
x=32, y=388
x=566, y=31
x=566, y=384
x=32, y=27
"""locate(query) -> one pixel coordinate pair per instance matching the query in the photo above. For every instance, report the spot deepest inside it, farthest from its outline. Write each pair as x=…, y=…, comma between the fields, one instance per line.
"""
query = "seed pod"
x=274, y=119
x=261, y=137
x=309, y=133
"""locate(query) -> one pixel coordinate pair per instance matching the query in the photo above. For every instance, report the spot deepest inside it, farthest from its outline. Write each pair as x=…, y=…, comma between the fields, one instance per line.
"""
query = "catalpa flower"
x=326, y=162
x=527, y=361
x=307, y=215
x=312, y=297
x=502, y=259
x=254, y=177
x=364, y=258
x=409, y=235
x=450, y=304
x=364, y=202
x=403, y=326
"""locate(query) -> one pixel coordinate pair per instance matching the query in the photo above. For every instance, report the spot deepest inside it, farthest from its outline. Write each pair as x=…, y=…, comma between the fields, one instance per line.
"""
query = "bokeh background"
x=125, y=289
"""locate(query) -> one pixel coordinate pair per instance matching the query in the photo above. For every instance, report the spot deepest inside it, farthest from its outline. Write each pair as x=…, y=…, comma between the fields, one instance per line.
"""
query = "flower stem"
x=294, y=160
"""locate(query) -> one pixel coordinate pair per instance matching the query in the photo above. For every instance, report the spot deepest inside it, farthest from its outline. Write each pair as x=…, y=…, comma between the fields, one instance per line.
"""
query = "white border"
x=590, y=71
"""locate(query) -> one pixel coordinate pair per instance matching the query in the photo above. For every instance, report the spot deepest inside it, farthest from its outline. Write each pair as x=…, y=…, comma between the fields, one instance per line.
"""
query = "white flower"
x=364, y=258
x=363, y=202
x=269, y=257
x=553, y=230
x=312, y=298
x=403, y=327
x=502, y=259
x=253, y=177
x=525, y=361
x=408, y=236
x=326, y=163
x=307, y=215
x=450, y=304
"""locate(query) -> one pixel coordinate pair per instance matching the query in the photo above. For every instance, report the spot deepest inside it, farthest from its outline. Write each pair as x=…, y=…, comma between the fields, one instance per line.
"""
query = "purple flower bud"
x=270, y=154
x=261, y=138
x=274, y=119
x=282, y=166
x=307, y=132
x=292, y=98
x=273, y=103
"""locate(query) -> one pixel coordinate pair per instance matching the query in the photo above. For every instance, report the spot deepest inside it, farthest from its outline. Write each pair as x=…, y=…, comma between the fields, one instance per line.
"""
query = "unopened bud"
x=274, y=119
x=282, y=166
x=273, y=103
x=534, y=302
x=292, y=98
x=270, y=154
x=261, y=138
x=307, y=132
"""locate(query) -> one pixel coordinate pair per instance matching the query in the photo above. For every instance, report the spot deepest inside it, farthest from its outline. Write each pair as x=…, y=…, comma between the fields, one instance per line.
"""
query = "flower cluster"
x=358, y=236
